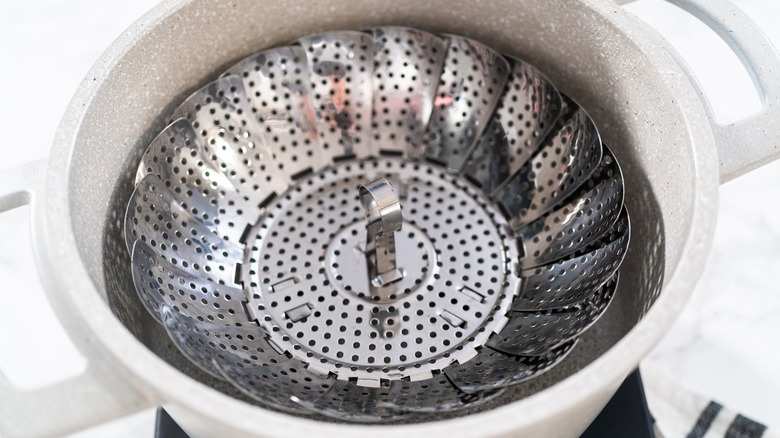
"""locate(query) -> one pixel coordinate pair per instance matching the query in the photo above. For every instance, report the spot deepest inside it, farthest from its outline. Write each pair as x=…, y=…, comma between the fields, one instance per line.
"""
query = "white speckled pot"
x=645, y=102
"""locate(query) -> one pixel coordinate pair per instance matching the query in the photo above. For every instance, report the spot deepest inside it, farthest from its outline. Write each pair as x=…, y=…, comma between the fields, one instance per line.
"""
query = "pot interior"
x=582, y=52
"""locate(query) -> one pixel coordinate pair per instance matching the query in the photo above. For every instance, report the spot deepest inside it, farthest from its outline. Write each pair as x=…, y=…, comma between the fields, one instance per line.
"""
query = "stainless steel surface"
x=341, y=73
x=469, y=89
x=492, y=369
x=526, y=112
x=383, y=219
x=572, y=279
x=346, y=275
x=564, y=162
x=179, y=235
x=179, y=158
x=159, y=282
x=230, y=158
x=574, y=224
x=407, y=66
x=537, y=333
x=452, y=296
x=277, y=83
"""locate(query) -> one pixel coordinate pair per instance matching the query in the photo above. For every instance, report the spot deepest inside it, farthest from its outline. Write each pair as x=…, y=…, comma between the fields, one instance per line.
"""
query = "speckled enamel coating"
x=642, y=99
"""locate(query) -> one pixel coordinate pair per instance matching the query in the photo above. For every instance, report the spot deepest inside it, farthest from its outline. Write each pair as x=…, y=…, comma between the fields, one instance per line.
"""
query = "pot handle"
x=96, y=395
x=754, y=141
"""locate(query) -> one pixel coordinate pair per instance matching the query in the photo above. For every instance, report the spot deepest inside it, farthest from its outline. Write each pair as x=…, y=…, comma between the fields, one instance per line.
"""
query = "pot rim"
x=80, y=304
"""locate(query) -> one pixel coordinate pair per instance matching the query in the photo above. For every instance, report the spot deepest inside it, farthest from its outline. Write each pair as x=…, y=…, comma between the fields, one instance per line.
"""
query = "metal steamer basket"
x=370, y=225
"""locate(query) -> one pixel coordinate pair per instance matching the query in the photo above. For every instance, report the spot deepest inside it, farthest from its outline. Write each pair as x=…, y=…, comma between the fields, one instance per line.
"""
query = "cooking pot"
x=645, y=101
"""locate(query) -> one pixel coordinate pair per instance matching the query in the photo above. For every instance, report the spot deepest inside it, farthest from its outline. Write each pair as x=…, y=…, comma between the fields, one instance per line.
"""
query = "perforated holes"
x=155, y=218
x=525, y=114
x=187, y=294
x=574, y=278
x=407, y=66
x=560, y=167
x=341, y=68
x=471, y=83
x=277, y=84
x=536, y=333
x=585, y=217
x=345, y=330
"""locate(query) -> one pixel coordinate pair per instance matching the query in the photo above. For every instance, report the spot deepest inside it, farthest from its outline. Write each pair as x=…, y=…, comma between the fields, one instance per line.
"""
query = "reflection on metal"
x=383, y=219
x=267, y=234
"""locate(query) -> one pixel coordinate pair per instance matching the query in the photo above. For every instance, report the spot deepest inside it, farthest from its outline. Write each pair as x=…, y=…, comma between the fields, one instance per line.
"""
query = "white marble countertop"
x=723, y=346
